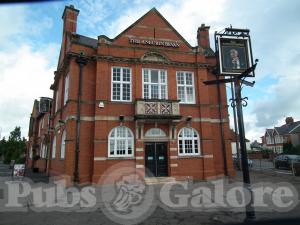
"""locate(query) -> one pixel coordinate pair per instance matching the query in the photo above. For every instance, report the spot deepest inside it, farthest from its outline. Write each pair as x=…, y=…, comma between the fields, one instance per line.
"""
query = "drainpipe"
x=81, y=61
x=222, y=129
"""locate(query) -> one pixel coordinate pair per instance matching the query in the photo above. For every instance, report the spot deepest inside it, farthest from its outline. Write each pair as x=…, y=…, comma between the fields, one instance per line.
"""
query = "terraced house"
x=138, y=98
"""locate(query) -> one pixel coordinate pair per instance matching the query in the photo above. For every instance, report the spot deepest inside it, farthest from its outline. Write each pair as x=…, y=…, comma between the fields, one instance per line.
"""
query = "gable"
x=152, y=30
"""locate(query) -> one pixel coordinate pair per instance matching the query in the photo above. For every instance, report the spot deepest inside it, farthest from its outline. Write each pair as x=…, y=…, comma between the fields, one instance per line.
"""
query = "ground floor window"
x=120, y=142
x=188, y=142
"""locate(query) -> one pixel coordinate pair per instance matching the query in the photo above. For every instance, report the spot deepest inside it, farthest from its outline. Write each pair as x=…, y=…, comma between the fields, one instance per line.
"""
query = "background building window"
x=188, y=142
x=155, y=84
x=185, y=87
x=120, y=142
x=121, y=84
x=63, y=145
x=54, y=147
x=66, y=95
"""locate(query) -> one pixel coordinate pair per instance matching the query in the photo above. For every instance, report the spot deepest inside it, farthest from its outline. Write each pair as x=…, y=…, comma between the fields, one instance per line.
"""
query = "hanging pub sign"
x=234, y=54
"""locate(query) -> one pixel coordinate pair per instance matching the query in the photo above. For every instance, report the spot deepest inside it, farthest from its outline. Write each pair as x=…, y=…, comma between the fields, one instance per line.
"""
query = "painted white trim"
x=185, y=86
x=173, y=149
x=126, y=143
x=173, y=165
x=193, y=141
x=100, y=158
x=139, y=149
x=139, y=157
x=121, y=82
x=294, y=128
x=173, y=157
x=139, y=166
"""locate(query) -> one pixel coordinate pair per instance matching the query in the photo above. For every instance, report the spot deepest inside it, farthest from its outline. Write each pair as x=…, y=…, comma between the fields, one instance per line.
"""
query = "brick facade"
x=160, y=47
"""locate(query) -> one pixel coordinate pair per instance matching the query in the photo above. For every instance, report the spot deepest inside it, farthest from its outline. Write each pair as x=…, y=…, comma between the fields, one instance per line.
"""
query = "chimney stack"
x=203, y=36
x=70, y=19
x=289, y=120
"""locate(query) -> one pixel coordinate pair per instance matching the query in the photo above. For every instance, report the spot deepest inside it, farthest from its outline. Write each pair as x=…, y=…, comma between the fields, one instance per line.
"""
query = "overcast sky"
x=31, y=36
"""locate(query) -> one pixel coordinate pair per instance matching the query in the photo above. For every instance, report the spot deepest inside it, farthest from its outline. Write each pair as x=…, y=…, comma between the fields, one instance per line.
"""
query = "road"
x=161, y=215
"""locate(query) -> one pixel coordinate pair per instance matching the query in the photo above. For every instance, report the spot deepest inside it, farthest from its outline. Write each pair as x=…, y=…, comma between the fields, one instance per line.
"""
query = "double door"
x=156, y=159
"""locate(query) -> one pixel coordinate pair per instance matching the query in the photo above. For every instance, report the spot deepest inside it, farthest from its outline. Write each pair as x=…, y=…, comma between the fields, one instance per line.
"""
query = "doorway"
x=156, y=159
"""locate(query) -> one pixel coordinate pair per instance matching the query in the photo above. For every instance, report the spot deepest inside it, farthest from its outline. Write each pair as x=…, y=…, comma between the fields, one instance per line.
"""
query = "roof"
x=83, y=40
x=255, y=144
x=270, y=131
x=295, y=130
x=288, y=128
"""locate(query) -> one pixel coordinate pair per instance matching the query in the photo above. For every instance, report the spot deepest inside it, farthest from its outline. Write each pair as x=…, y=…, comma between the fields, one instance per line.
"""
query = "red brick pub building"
x=138, y=98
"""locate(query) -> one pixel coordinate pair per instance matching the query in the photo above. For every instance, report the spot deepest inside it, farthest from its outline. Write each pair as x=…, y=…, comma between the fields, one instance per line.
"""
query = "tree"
x=14, y=148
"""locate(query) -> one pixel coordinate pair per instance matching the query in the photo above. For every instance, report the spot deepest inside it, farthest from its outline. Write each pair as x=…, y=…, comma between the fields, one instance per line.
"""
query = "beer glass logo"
x=125, y=198
x=130, y=192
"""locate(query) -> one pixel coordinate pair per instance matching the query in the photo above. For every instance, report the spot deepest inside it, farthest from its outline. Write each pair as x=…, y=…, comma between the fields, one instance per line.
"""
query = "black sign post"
x=233, y=48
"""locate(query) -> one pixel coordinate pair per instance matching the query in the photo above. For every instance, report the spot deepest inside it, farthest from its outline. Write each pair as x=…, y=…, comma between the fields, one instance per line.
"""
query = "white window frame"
x=188, y=138
x=149, y=83
x=121, y=82
x=185, y=86
x=115, y=139
x=63, y=145
x=54, y=147
x=66, y=93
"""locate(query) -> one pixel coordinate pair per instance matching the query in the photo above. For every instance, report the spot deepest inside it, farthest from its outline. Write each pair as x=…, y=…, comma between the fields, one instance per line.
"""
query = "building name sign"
x=171, y=44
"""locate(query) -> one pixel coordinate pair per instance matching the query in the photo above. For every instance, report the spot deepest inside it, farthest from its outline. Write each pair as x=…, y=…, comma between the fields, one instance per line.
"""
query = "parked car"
x=296, y=166
x=284, y=161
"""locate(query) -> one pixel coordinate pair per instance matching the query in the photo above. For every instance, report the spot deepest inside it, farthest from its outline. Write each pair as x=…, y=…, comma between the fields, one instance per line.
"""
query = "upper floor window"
x=120, y=142
x=54, y=147
x=155, y=84
x=188, y=142
x=66, y=94
x=63, y=145
x=185, y=87
x=121, y=84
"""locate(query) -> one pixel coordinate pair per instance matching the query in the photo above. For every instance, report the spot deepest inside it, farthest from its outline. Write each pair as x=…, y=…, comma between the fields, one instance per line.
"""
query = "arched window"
x=155, y=132
x=54, y=147
x=120, y=142
x=63, y=145
x=188, y=142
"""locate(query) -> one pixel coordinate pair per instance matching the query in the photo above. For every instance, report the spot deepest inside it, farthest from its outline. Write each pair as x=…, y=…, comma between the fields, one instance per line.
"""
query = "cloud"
x=25, y=75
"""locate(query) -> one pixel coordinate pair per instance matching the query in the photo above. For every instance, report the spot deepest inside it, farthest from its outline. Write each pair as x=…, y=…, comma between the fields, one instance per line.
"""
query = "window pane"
x=189, y=94
x=181, y=93
x=180, y=147
x=116, y=91
x=116, y=74
x=189, y=79
x=146, y=91
x=112, y=147
x=146, y=76
x=163, y=92
x=162, y=77
x=126, y=92
x=154, y=91
x=154, y=76
x=126, y=74
x=180, y=78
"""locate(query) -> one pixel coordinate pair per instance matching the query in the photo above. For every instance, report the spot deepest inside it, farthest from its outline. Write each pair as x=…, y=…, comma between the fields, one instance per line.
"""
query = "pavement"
x=161, y=215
